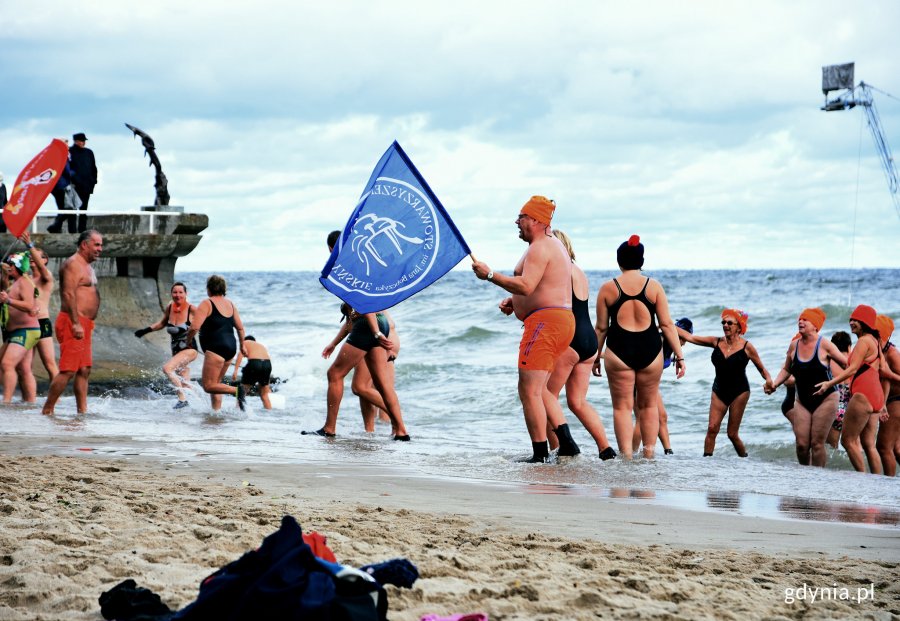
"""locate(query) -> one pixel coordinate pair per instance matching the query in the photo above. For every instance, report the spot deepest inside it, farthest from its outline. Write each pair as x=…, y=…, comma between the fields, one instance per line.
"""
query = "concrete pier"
x=135, y=273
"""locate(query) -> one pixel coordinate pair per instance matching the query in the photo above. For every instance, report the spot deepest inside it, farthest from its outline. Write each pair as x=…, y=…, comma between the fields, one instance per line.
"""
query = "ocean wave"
x=475, y=334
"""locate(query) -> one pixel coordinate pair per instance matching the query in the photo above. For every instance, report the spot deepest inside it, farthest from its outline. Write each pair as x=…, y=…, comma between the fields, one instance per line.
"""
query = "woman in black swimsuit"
x=176, y=320
x=627, y=310
x=371, y=404
x=573, y=368
x=367, y=341
x=217, y=320
x=809, y=362
x=731, y=390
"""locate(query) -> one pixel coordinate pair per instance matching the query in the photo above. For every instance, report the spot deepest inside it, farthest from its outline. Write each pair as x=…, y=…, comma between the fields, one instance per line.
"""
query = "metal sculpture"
x=162, y=189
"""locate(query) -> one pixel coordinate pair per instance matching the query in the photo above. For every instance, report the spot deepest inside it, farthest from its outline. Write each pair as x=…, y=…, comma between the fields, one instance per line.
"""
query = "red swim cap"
x=864, y=314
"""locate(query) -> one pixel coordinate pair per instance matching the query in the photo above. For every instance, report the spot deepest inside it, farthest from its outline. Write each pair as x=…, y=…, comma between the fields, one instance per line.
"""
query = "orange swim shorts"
x=548, y=332
x=74, y=353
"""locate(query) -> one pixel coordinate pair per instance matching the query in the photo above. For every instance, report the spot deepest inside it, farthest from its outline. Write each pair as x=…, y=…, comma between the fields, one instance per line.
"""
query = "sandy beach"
x=76, y=525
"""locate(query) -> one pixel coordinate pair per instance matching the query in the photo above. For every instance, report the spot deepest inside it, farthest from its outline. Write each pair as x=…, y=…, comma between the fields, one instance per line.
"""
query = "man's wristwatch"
x=490, y=276
x=379, y=335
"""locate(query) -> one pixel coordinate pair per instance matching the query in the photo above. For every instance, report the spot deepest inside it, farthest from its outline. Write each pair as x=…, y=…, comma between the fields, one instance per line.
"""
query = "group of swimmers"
x=217, y=323
x=868, y=377
x=25, y=291
x=636, y=338
x=853, y=394
x=25, y=288
x=835, y=393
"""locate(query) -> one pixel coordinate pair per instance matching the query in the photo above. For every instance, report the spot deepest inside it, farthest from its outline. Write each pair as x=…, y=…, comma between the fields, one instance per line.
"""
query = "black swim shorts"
x=257, y=372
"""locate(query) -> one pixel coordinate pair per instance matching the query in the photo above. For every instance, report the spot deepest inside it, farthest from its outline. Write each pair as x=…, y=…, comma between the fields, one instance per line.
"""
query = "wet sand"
x=74, y=526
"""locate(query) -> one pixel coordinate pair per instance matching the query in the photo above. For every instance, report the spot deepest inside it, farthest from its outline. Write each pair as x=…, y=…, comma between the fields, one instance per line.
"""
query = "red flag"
x=33, y=185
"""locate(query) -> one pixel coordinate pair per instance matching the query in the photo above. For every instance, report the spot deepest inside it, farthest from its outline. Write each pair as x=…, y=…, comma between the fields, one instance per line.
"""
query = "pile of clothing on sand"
x=291, y=576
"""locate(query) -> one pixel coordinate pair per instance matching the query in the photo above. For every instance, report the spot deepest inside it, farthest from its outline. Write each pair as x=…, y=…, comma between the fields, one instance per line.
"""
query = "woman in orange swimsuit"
x=867, y=395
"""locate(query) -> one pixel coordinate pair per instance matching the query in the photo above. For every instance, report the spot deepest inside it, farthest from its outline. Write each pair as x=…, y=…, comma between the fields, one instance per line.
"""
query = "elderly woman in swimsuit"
x=731, y=390
x=628, y=308
x=216, y=320
x=888, y=439
x=176, y=320
x=573, y=367
x=867, y=395
x=809, y=360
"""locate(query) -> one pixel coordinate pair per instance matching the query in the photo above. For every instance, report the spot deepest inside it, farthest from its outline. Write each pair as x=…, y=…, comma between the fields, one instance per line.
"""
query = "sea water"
x=456, y=380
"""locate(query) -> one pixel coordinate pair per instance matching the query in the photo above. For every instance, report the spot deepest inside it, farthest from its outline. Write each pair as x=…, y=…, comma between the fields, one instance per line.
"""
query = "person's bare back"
x=256, y=351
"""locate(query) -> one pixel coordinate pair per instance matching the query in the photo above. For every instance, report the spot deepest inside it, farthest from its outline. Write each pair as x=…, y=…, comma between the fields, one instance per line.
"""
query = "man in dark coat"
x=84, y=174
x=3, y=199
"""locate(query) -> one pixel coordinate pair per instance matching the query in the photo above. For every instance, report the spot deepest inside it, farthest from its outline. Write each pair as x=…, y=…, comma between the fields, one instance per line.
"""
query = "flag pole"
x=6, y=253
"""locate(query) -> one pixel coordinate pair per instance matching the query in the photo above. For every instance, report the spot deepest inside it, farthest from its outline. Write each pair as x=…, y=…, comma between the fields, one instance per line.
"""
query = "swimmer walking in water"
x=573, y=368
x=176, y=320
x=731, y=390
x=808, y=361
x=541, y=288
x=628, y=308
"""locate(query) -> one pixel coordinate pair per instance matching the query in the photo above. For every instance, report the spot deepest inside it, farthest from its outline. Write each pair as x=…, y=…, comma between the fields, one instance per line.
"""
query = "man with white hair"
x=79, y=302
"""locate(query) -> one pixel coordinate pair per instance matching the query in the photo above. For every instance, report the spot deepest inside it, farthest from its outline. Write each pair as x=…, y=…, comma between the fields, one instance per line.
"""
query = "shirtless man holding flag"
x=541, y=289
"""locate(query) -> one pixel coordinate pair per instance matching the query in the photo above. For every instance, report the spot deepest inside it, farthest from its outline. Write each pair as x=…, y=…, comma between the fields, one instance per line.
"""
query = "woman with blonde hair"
x=573, y=368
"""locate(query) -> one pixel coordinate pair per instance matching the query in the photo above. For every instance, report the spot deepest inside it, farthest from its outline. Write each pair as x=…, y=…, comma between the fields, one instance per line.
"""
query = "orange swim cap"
x=885, y=327
x=815, y=316
x=739, y=316
x=864, y=314
x=540, y=208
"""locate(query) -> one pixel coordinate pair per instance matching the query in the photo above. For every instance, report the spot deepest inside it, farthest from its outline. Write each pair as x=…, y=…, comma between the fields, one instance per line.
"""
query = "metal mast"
x=838, y=77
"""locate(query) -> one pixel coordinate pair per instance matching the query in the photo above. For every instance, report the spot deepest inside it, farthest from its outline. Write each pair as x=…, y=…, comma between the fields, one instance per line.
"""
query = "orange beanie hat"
x=864, y=314
x=885, y=327
x=739, y=316
x=540, y=208
x=815, y=316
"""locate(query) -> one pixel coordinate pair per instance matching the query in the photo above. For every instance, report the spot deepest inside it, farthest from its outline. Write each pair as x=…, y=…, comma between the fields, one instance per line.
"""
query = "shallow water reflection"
x=743, y=503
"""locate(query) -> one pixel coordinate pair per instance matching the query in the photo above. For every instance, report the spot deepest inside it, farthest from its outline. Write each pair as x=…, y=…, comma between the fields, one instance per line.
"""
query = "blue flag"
x=398, y=241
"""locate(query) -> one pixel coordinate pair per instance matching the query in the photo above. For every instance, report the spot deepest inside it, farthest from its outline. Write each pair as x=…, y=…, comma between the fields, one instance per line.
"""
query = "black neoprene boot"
x=567, y=446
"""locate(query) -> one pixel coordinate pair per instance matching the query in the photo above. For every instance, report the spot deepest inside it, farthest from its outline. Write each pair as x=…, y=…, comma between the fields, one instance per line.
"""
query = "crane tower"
x=840, y=78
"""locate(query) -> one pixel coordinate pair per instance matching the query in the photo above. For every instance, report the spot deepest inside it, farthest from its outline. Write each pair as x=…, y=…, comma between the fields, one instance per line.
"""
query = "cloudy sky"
x=694, y=124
